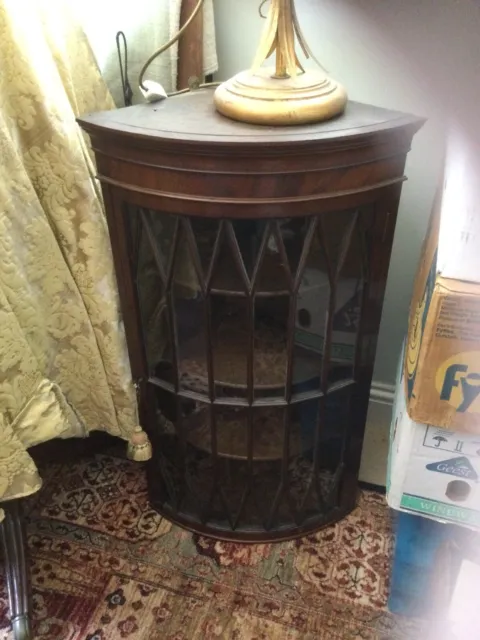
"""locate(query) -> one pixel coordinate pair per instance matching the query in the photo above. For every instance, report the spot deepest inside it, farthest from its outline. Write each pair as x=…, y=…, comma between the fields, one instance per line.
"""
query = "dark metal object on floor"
x=14, y=543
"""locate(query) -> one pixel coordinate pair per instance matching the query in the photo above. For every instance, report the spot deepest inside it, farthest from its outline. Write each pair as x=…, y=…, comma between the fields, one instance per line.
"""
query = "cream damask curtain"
x=63, y=361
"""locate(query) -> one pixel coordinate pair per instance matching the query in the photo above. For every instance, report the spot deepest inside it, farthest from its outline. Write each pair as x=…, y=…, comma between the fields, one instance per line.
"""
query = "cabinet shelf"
x=272, y=279
x=229, y=355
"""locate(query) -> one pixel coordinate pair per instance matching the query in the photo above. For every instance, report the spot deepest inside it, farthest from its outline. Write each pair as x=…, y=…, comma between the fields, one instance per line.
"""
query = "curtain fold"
x=63, y=362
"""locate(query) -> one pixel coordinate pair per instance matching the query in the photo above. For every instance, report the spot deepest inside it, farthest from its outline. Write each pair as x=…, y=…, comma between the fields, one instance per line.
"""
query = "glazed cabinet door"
x=253, y=343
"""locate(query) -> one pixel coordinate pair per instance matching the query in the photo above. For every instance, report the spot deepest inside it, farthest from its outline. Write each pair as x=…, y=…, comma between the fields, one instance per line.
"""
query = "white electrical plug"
x=153, y=91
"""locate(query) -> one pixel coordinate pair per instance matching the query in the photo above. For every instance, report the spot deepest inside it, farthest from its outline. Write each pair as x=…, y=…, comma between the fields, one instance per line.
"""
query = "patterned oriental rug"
x=106, y=567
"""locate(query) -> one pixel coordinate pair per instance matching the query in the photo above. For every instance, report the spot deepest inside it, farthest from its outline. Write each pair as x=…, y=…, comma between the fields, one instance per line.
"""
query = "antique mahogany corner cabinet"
x=251, y=263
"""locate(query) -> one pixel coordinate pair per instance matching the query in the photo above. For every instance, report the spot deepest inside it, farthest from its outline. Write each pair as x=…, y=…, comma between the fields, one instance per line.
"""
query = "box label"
x=459, y=467
x=444, y=440
x=440, y=510
x=458, y=381
x=459, y=319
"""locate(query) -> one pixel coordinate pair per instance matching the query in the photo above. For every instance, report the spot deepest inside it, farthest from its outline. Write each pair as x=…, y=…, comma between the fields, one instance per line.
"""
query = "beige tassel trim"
x=139, y=448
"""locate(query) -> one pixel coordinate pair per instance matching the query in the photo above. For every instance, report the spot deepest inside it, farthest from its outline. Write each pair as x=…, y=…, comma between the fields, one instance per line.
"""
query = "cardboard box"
x=442, y=363
x=443, y=357
x=432, y=472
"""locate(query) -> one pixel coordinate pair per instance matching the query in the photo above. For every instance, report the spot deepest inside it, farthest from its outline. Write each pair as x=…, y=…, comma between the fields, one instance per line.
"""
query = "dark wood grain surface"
x=192, y=118
x=181, y=156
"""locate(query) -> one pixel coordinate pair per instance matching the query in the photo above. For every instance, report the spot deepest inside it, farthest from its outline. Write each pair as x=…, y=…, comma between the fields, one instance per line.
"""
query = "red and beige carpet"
x=106, y=567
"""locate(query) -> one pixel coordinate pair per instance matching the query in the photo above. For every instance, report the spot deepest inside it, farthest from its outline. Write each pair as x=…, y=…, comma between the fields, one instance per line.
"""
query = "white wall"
x=411, y=55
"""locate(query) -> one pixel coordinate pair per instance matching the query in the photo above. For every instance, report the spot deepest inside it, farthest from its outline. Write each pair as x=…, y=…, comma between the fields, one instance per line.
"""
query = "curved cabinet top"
x=183, y=156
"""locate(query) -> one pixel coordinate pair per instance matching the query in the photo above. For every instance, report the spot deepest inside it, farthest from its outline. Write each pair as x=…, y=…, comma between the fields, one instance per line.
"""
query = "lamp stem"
x=280, y=66
x=279, y=38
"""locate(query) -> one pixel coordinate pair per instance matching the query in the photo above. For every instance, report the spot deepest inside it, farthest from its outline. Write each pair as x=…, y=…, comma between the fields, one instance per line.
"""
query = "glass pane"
x=248, y=234
x=230, y=432
x=312, y=303
x=301, y=477
x=372, y=296
x=205, y=231
x=230, y=344
x=268, y=433
x=294, y=232
x=323, y=425
x=273, y=271
x=190, y=316
x=158, y=229
x=200, y=465
x=348, y=274
x=151, y=254
x=240, y=499
x=334, y=428
x=229, y=274
x=270, y=345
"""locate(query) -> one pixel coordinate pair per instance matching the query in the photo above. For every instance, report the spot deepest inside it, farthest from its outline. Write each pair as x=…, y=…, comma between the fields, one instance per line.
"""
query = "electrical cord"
x=126, y=88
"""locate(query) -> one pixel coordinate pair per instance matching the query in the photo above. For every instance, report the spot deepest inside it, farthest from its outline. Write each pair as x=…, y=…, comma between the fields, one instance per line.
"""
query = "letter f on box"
x=450, y=381
x=470, y=390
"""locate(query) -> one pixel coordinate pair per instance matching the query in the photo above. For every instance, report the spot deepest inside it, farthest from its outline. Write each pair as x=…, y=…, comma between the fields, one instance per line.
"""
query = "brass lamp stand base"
x=262, y=98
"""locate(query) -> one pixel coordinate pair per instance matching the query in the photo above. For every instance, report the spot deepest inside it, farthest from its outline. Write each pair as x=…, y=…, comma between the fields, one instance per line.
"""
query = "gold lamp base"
x=262, y=98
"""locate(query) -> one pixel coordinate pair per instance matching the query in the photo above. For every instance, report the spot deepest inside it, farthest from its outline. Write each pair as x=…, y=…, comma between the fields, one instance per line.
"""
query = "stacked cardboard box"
x=434, y=462
x=442, y=363
x=434, y=466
